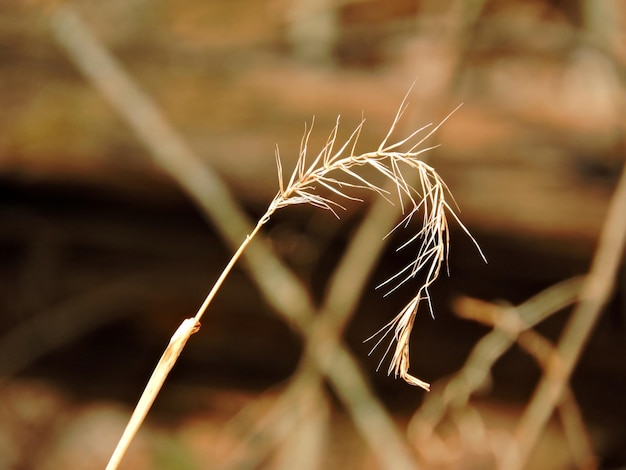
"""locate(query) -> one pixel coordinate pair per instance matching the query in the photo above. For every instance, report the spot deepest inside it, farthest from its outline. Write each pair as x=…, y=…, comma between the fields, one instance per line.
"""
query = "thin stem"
x=160, y=373
x=227, y=269
x=187, y=328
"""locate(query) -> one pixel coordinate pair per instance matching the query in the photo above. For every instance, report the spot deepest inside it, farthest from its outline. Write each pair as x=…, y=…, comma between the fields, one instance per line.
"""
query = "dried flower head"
x=336, y=169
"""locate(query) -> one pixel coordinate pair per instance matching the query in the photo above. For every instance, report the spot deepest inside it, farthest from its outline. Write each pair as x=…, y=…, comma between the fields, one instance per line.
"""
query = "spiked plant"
x=336, y=171
x=324, y=181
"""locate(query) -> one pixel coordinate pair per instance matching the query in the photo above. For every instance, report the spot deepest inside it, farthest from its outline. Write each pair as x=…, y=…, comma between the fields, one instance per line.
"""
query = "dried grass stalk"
x=335, y=169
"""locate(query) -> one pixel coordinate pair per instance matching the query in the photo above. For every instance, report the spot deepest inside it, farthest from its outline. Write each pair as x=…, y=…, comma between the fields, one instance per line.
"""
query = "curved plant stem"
x=333, y=170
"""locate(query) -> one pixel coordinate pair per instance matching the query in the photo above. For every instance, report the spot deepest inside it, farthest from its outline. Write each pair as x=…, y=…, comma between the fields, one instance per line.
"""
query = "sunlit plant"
x=334, y=176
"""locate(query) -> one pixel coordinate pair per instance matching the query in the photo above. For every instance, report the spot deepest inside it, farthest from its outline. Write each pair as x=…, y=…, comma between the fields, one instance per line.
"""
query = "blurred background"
x=107, y=240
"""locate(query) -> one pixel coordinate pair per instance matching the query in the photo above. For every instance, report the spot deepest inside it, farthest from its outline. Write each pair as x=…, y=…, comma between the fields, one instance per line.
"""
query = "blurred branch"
x=475, y=373
x=306, y=447
x=507, y=321
x=595, y=293
x=280, y=287
x=571, y=417
x=53, y=327
x=259, y=431
x=604, y=24
x=451, y=397
x=312, y=28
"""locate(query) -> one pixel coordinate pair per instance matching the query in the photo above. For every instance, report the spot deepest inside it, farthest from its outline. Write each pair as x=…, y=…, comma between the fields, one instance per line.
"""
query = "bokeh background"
x=105, y=247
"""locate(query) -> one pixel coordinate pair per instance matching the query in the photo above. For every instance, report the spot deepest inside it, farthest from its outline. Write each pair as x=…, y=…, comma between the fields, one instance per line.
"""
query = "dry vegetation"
x=535, y=153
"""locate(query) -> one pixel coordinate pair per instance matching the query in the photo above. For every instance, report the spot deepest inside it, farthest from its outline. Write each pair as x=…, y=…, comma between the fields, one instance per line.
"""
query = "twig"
x=54, y=326
x=257, y=437
x=571, y=417
x=595, y=293
x=475, y=373
x=507, y=321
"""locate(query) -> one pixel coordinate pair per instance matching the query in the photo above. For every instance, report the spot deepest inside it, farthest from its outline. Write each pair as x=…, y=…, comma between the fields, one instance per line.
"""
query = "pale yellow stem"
x=169, y=357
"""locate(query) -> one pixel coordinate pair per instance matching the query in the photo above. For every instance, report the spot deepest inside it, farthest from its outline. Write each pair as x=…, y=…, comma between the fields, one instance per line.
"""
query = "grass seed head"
x=337, y=170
